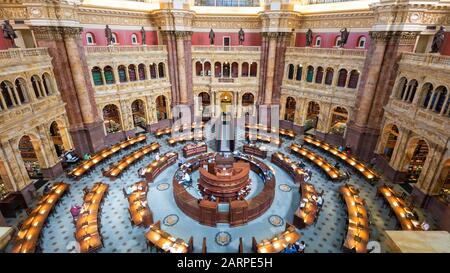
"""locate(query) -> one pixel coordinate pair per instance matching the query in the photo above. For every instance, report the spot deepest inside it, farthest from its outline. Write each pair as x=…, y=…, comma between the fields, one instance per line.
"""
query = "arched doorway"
x=289, y=114
x=57, y=138
x=312, y=115
x=161, y=107
x=226, y=99
x=139, y=114
x=29, y=157
x=339, y=118
x=444, y=182
x=390, y=136
x=416, y=154
x=111, y=117
x=205, y=103
x=248, y=101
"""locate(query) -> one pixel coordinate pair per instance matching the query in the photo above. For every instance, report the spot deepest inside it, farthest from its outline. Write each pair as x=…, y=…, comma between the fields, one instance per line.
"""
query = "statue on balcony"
x=108, y=35
x=438, y=40
x=309, y=37
x=211, y=37
x=143, y=35
x=344, y=37
x=8, y=32
x=241, y=36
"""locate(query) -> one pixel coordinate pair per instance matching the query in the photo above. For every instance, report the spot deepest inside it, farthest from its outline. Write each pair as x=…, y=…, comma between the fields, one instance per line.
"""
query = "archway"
x=161, y=107
x=205, y=103
x=444, y=182
x=390, y=136
x=248, y=103
x=29, y=157
x=226, y=99
x=339, y=118
x=312, y=115
x=111, y=117
x=415, y=156
x=57, y=139
x=139, y=114
x=290, y=109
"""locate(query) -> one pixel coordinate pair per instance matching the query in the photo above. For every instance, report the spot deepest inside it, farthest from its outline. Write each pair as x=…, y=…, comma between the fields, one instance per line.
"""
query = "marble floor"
x=119, y=235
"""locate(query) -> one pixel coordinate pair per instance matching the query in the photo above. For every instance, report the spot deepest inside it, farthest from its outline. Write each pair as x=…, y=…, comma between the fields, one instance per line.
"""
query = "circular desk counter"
x=240, y=211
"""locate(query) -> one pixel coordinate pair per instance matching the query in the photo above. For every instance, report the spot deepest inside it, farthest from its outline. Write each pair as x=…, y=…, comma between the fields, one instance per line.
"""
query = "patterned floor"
x=119, y=236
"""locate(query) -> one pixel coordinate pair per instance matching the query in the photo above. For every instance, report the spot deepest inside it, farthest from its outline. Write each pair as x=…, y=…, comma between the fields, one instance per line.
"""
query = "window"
x=134, y=39
x=90, y=39
x=342, y=78
x=291, y=72
x=319, y=75
x=122, y=74
x=361, y=42
x=153, y=71
x=253, y=69
x=318, y=41
x=132, y=72
x=298, y=77
x=309, y=74
x=337, y=42
x=114, y=39
x=207, y=68
x=244, y=72
x=161, y=70
x=141, y=72
x=109, y=75
x=329, y=76
x=234, y=70
x=353, y=81
x=97, y=76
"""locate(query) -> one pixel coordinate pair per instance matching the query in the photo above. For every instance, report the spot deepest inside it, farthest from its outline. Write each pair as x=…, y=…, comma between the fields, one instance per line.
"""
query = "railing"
x=123, y=49
x=327, y=51
x=227, y=3
x=226, y=48
x=426, y=59
x=22, y=53
x=313, y=2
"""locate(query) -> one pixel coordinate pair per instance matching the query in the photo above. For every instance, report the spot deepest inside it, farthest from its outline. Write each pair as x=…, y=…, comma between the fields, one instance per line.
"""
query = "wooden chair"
x=241, y=246
x=204, y=250
x=254, y=245
x=191, y=245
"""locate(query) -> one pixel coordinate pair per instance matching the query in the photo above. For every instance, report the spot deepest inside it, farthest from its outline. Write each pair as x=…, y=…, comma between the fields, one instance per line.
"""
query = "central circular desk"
x=239, y=212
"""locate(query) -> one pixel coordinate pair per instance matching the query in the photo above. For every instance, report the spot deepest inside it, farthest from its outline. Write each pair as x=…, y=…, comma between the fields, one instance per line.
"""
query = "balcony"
x=21, y=56
x=231, y=49
x=114, y=50
x=428, y=60
x=327, y=52
x=227, y=3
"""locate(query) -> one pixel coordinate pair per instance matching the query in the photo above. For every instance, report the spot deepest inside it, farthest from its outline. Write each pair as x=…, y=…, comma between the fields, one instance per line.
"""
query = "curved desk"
x=306, y=215
x=27, y=237
x=158, y=165
x=129, y=160
x=287, y=164
x=95, y=159
x=140, y=213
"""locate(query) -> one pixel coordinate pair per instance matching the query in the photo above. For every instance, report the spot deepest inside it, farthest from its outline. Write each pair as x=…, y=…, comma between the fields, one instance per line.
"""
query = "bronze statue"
x=241, y=36
x=8, y=32
x=143, y=35
x=344, y=36
x=309, y=37
x=211, y=37
x=108, y=35
x=438, y=40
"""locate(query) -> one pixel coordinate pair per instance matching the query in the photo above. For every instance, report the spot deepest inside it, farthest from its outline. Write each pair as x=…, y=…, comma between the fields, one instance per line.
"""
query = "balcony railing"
x=313, y=2
x=426, y=59
x=227, y=3
x=123, y=49
x=22, y=53
x=327, y=51
x=227, y=48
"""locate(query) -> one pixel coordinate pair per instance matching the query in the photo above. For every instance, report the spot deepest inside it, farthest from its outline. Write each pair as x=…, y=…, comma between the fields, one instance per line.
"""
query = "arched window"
x=412, y=88
x=48, y=86
x=318, y=41
x=207, y=68
x=122, y=74
x=226, y=69
x=401, y=88
x=291, y=72
x=111, y=118
x=217, y=70
x=134, y=39
x=361, y=42
x=337, y=41
x=290, y=109
x=109, y=75
x=234, y=70
x=342, y=78
x=141, y=72
x=153, y=74
x=7, y=94
x=427, y=92
x=36, y=84
x=253, y=69
x=198, y=69
x=248, y=99
x=319, y=74
x=298, y=76
x=114, y=39
x=245, y=68
x=21, y=87
x=339, y=118
x=309, y=74
x=329, y=76
x=161, y=107
x=97, y=75
x=353, y=81
x=132, y=72
x=161, y=71
x=440, y=98
x=90, y=40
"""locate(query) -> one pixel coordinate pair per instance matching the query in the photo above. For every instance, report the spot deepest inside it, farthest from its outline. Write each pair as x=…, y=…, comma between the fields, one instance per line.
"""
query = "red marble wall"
x=202, y=38
x=4, y=43
x=329, y=39
x=123, y=36
x=445, y=50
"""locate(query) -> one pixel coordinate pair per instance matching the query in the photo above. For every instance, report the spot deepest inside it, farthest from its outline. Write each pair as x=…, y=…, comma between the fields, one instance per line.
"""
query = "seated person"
x=319, y=201
x=290, y=248
x=300, y=246
x=425, y=226
x=47, y=189
x=180, y=162
x=157, y=156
